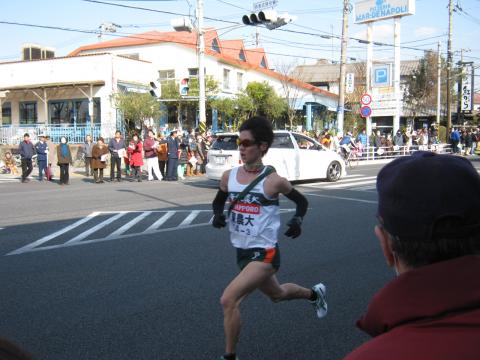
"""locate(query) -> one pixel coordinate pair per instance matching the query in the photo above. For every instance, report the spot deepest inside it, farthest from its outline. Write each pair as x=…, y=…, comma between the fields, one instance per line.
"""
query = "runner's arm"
x=218, y=204
x=301, y=202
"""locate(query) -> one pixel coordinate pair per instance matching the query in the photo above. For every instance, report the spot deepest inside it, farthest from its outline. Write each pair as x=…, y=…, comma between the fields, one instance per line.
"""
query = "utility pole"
x=343, y=59
x=439, y=81
x=201, y=68
x=449, y=66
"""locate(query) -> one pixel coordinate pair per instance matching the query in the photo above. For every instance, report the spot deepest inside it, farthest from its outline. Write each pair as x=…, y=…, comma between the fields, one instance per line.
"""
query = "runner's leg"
x=280, y=292
x=249, y=279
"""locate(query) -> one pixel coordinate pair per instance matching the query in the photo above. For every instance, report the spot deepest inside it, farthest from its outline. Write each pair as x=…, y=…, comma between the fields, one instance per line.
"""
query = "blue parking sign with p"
x=381, y=75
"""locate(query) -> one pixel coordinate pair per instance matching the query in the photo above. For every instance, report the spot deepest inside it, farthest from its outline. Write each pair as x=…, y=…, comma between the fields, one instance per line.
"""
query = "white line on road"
x=29, y=247
x=97, y=227
x=188, y=220
x=340, y=186
x=342, y=198
x=160, y=222
x=128, y=225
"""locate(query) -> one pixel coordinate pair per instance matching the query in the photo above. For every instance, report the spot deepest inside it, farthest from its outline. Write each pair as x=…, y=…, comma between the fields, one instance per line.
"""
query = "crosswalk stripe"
x=160, y=221
x=340, y=186
x=188, y=220
x=341, y=181
x=128, y=225
x=54, y=235
x=97, y=227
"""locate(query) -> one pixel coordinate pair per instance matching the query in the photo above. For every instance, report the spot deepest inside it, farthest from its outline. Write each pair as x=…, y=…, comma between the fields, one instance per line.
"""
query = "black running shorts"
x=268, y=256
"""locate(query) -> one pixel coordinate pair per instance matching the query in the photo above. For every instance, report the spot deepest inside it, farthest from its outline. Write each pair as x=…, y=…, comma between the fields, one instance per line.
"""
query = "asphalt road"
x=134, y=271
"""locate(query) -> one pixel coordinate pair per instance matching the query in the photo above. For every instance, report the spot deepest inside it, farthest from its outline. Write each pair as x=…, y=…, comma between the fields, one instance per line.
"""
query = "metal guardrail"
x=13, y=134
x=390, y=152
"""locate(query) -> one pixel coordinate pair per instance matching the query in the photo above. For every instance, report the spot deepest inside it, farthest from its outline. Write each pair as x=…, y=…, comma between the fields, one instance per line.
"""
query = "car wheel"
x=334, y=171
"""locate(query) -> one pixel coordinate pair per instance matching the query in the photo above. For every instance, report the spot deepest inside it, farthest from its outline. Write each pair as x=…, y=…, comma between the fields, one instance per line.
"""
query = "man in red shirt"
x=429, y=232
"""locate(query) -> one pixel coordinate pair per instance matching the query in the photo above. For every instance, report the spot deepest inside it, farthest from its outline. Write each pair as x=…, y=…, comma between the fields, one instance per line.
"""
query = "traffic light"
x=155, y=89
x=184, y=86
x=269, y=18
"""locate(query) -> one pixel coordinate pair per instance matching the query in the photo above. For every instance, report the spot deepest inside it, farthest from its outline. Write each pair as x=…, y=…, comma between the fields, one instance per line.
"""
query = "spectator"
x=432, y=309
x=135, y=150
x=64, y=157
x=377, y=140
x=87, y=150
x=398, y=142
x=455, y=140
x=183, y=150
x=10, y=163
x=467, y=141
x=41, y=148
x=326, y=141
x=52, y=158
x=362, y=137
x=172, y=152
x=116, y=146
x=162, y=154
x=474, y=142
x=26, y=150
x=150, y=147
x=99, y=160
x=201, y=156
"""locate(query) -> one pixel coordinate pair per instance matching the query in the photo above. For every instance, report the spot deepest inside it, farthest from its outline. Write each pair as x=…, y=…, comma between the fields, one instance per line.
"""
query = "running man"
x=254, y=222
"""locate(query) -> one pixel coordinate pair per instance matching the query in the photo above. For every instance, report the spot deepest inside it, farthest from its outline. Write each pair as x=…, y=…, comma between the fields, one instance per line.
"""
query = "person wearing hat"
x=41, y=148
x=26, y=151
x=431, y=310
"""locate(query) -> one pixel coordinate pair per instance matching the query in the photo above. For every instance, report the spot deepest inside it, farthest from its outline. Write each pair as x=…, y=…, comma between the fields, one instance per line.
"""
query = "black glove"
x=294, y=229
x=219, y=221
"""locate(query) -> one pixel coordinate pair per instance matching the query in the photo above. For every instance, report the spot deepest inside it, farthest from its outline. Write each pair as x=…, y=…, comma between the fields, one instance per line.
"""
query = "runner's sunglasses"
x=246, y=142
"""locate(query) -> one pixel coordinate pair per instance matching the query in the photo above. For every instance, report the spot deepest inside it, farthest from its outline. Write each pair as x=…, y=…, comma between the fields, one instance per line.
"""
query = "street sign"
x=350, y=82
x=366, y=99
x=265, y=4
x=365, y=111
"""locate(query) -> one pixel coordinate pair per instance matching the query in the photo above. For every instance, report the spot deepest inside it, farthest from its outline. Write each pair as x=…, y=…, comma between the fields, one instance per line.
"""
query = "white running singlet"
x=254, y=220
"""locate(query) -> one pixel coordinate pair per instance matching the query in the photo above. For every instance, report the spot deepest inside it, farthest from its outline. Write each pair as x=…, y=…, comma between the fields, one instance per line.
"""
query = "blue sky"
x=320, y=17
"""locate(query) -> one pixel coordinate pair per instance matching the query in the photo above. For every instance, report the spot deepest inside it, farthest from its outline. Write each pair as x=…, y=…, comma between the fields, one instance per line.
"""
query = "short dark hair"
x=260, y=128
x=118, y=132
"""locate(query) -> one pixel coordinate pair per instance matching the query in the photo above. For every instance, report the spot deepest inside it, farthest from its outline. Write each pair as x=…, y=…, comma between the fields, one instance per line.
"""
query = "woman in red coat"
x=135, y=149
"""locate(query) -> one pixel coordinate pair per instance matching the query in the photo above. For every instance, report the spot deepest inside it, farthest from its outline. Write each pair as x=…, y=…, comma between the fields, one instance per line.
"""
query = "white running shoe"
x=320, y=304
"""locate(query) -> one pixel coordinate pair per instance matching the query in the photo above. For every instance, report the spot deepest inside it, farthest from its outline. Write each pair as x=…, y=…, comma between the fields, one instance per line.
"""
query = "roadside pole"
x=343, y=58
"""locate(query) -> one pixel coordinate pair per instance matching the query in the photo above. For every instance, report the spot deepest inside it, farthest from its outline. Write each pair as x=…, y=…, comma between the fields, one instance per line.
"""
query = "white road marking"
x=340, y=186
x=188, y=220
x=342, y=198
x=153, y=229
x=160, y=222
x=97, y=227
x=39, y=242
x=128, y=225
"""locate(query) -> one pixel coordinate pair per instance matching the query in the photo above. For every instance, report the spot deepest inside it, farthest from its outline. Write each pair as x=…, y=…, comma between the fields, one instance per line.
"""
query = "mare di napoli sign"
x=374, y=10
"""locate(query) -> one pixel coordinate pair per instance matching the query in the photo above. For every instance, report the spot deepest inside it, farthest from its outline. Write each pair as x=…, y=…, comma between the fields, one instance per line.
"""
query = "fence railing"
x=390, y=152
x=13, y=134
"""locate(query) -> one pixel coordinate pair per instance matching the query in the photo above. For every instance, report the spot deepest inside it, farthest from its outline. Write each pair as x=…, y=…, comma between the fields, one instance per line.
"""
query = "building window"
x=193, y=72
x=241, y=56
x=6, y=113
x=28, y=112
x=239, y=81
x=68, y=112
x=263, y=64
x=226, y=79
x=166, y=74
x=215, y=46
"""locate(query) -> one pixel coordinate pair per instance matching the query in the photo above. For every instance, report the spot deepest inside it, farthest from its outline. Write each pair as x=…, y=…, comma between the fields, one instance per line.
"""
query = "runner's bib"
x=254, y=221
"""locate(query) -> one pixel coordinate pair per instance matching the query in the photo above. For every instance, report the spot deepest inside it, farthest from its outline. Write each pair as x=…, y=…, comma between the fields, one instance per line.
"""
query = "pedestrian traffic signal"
x=184, y=86
x=155, y=89
x=269, y=18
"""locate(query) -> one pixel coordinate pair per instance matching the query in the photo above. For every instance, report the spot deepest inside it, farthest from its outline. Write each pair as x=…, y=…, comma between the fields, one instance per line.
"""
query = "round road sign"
x=366, y=111
x=366, y=99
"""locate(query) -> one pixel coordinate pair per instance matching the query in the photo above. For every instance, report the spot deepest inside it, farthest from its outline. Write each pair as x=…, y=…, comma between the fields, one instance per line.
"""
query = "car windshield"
x=225, y=143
